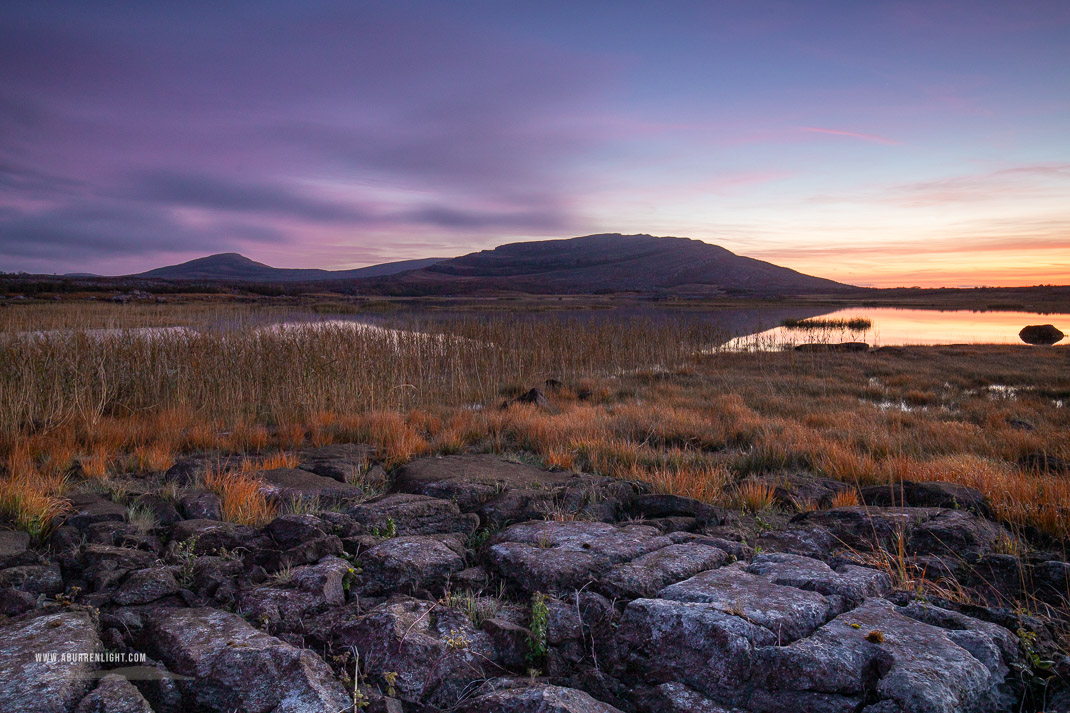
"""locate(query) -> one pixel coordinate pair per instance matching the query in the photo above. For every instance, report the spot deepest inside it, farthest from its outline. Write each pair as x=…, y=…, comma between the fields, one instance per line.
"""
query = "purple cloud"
x=275, y=123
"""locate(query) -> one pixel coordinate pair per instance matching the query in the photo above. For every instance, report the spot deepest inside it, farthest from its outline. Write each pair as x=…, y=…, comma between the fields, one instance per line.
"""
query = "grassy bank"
x=638, y=399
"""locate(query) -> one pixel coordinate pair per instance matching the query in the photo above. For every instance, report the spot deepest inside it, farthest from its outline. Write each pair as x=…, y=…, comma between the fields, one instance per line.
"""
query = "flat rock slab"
x=114, y=694
x=309, y=590
x=675, y=697
x=537, y=698
x=786, y=612
x=864, y=528
x=233, y=666
x=562, y=556
x=212, y=535
x=854, y=584
x=695, y=643
x=413, y=515
x=402, y=564
x=146, y=585
x=435, y=651
x=31, y=686
x=33, y=578
x=473, y=479
x=957, y=533
x=15, y=548
x=877, y=650
x=645, y=576
x=87, y=509
x=340, y=461
x=927, y=494
x=295, y=484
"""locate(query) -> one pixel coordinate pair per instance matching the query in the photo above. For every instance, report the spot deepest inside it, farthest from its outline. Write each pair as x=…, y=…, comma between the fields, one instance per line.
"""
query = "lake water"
x=737, y=328
x=900, y=327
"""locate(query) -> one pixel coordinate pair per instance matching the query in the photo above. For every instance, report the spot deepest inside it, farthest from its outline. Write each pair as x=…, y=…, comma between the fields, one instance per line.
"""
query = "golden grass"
x=706, y=483
x=642, y=399
x=282, y=459
x=752, y=496
x=241, y=496
x=845, y=499
x=150, y=458
x=30, y=499
x=97, y=464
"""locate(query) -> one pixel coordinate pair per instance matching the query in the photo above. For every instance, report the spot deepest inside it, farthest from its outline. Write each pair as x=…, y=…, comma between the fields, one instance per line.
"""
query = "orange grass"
x=30, y=499
x=753, y=496
x=845, y=499
x=281, y=459
x=241, y=496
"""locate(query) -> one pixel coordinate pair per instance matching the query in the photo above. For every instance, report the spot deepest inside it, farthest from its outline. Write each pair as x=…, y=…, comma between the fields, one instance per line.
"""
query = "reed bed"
x=855, y=324
x=641, y=399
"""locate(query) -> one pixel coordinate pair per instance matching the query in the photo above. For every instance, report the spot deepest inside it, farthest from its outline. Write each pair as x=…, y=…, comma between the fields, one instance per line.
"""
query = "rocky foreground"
x=478, y=584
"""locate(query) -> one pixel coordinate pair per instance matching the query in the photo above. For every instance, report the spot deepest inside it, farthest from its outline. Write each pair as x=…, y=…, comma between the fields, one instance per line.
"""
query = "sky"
x=876, y=143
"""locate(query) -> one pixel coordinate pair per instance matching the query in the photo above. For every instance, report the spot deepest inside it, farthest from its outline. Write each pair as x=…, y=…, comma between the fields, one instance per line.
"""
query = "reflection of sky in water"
x=741, y=328
x=893, y=327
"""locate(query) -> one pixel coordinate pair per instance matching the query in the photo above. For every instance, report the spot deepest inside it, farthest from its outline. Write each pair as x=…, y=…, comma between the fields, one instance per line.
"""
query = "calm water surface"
x=900, y=327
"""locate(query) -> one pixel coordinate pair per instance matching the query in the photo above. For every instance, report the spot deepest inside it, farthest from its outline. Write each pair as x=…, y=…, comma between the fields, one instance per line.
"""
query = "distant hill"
x=609, y=262
x=594, y=263
x=232, y=266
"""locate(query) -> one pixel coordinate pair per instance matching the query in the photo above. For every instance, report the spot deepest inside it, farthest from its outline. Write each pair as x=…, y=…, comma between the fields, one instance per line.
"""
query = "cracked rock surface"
x=472, y=584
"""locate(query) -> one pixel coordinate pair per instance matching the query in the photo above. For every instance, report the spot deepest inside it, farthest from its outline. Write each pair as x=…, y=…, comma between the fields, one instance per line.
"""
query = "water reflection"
x=901, y=327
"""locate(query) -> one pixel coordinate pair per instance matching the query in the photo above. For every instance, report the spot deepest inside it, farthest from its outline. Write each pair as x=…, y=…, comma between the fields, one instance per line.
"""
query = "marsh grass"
x=857, y=324
x=637, y=399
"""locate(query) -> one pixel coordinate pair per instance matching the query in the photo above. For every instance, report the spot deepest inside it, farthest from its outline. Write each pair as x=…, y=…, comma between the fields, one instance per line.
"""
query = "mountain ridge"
x=602, y=262
x=235, y=266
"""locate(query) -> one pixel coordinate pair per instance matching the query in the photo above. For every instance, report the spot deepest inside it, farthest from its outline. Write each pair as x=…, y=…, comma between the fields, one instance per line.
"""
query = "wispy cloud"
x=850, y=134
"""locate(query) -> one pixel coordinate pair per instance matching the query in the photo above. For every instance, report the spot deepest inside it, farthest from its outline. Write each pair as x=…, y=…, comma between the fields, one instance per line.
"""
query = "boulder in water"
x=1040, y=334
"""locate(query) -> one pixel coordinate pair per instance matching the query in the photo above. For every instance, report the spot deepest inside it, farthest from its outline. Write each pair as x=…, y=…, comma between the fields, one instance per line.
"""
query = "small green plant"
x=69, y=597
x=186, y=555
x=388, y=532
x=230, y=555
x=283, y=576
x=478, y=538
x=391, y=677
x=1027, y=642
x=478, y=608
x=457, y=641
x=1038, y=675
x=143, y=519
x=349, y=578
x=540, y=615
x=360, y=700
x=763, y=525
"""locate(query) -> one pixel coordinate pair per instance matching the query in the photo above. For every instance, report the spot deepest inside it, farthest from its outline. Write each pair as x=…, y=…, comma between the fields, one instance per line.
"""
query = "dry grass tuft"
x=753, y=496
x=241, y=496
x=705, y=483
x=248, y=438
x=395, y=441
x=845, y=499
x=31, y=500
x=152, y=458
x=97, y=465
x=271, y=462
